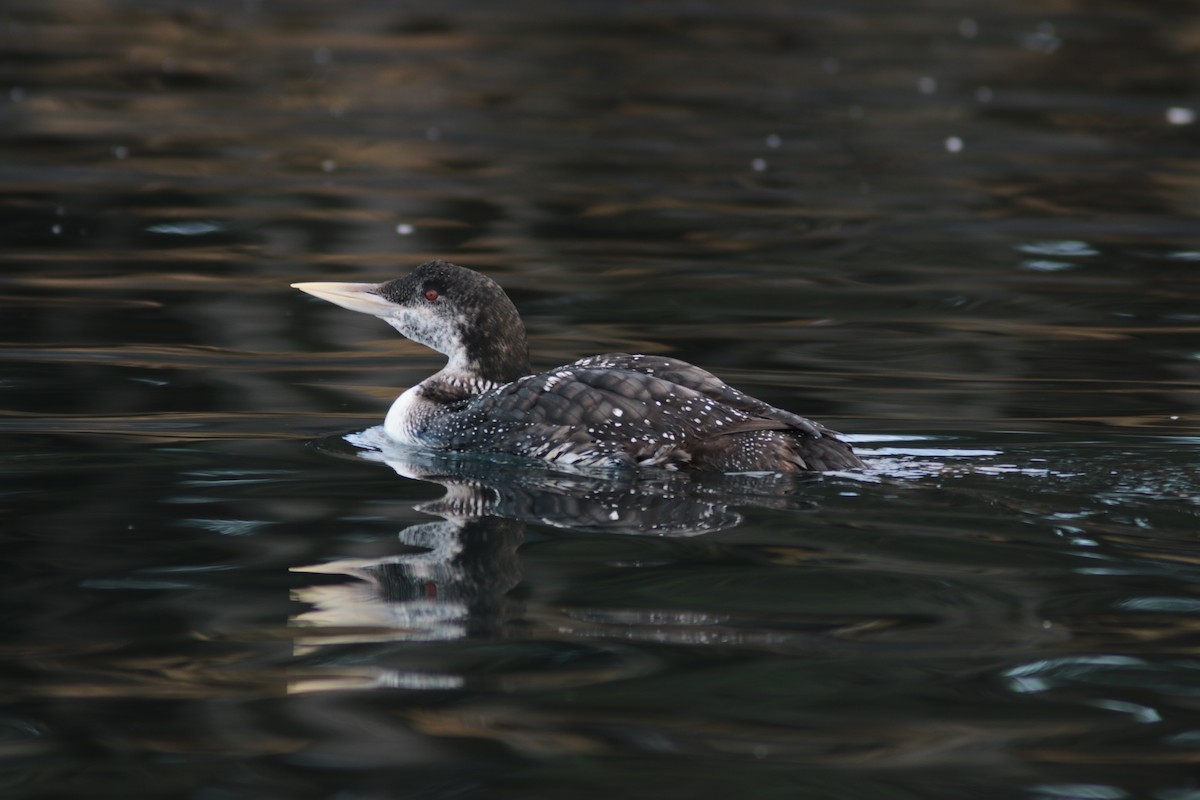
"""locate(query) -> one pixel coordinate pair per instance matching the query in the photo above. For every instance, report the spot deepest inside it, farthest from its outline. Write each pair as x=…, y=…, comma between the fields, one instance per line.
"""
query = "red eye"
x=431, y=295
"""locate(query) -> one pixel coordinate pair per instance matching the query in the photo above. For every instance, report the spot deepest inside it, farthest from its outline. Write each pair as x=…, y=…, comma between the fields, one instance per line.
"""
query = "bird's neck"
x=493, y=358
x=452, y=385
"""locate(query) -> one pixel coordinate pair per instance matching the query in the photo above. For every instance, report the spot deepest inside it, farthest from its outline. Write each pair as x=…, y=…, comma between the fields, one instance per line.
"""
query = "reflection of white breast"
x=402, y=418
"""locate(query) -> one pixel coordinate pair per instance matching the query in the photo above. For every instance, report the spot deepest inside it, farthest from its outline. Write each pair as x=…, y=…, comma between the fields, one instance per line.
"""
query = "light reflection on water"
x=964, y=237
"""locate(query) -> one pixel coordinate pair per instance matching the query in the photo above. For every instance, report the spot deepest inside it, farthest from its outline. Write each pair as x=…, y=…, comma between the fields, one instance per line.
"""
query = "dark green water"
x=967, y=234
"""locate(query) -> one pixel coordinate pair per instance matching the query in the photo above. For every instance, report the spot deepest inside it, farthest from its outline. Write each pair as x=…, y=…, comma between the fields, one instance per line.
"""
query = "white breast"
x=400, y=424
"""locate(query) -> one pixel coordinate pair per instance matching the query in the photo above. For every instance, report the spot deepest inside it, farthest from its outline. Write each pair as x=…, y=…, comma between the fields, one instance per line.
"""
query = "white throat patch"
x=428, y=327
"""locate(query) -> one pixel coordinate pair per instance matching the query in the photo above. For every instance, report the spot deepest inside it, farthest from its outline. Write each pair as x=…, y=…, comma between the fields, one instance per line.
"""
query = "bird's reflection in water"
x=449, y=581
x=452, y=578
x=602, y=501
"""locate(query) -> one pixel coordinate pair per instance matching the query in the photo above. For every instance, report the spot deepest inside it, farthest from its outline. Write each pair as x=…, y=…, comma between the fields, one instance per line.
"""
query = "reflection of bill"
x=425, y=594
x=451, y=582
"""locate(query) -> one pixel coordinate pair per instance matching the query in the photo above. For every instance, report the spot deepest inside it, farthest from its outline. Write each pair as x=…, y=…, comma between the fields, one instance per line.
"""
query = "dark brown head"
x=452, y=309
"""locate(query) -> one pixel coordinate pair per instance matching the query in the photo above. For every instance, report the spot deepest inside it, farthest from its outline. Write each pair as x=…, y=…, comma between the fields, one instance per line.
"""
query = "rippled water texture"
x=964, y=233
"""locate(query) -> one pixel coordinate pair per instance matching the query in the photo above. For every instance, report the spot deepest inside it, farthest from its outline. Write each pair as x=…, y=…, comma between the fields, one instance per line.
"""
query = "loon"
x=613, y=410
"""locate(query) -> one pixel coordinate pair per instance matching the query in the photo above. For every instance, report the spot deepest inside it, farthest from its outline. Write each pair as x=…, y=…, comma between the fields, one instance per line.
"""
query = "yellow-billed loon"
x=613, y=410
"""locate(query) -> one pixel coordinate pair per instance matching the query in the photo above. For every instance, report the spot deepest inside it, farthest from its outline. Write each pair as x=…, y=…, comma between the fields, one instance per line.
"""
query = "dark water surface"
x=965, y=233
